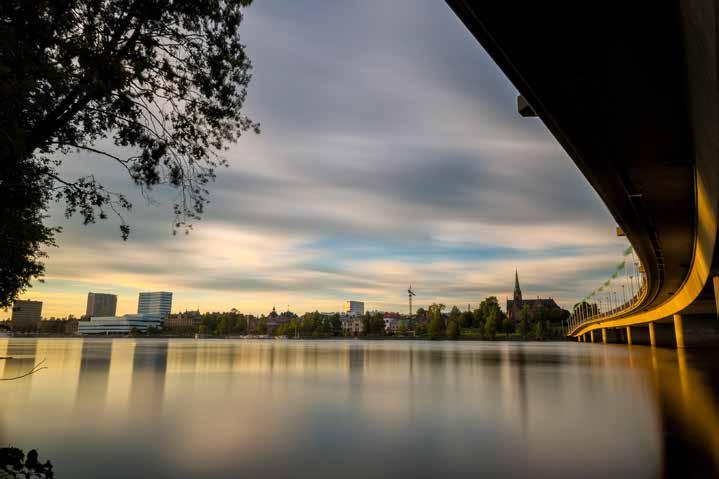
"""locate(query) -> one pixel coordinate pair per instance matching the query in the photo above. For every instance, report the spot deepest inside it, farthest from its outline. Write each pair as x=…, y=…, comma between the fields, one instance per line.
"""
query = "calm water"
x=357, y=409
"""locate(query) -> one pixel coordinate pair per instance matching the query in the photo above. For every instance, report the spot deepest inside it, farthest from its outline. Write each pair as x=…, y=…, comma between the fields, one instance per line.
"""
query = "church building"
x=514, y=306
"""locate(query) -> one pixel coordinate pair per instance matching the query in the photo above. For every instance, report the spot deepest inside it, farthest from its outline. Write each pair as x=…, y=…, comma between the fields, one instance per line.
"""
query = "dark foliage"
x=155, y=87
x=14, y=464
x=373, y=324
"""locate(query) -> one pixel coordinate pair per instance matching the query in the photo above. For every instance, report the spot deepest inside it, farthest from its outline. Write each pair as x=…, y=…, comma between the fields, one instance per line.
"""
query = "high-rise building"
x=26, y=314
x=101, y=304
x=353, y=308
x=157, y=304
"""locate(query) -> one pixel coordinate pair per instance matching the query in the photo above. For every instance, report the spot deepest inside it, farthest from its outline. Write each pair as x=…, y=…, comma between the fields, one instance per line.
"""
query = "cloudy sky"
x=391, y=153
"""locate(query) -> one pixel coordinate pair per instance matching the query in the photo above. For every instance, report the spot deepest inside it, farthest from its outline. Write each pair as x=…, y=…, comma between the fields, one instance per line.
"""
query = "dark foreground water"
x=358, y=409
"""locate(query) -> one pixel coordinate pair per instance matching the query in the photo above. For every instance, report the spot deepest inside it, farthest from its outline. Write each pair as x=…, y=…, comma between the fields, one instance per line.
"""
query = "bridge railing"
x=605, y=301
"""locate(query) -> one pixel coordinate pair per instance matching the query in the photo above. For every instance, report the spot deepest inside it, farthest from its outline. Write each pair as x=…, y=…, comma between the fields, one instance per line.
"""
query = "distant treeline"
x=488, y=321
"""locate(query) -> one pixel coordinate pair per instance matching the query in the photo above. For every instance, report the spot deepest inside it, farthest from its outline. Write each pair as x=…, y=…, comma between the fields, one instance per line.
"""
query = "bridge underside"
x=630, y=91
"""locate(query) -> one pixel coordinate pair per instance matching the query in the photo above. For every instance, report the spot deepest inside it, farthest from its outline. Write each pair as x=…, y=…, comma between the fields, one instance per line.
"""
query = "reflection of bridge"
x=632, y=95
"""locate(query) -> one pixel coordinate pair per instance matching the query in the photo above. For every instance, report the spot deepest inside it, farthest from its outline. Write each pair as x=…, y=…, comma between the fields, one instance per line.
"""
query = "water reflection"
x=185, y=408
x=149, y=367
x=23, y=358
x=92, y=382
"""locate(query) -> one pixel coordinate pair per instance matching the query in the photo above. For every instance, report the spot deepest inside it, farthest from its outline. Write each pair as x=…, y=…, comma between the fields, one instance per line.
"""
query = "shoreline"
x=275, y=338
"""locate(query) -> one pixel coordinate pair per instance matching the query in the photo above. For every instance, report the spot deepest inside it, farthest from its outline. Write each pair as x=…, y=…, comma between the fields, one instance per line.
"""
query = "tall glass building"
x=157, y=304
x=353, y=308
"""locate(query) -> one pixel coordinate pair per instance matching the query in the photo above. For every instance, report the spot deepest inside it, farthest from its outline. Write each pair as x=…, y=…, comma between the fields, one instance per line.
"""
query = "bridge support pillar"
x=679, y=330
x=579, y=339
x=652, y=336
x=629, y=335
x=604, y=335
x=591, y=335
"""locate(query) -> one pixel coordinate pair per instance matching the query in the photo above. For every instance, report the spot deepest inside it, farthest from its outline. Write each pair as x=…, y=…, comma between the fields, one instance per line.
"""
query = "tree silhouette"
x=155, y=87
x=490, y=325
x=14, y=464
x=453, y=329
x=435, y=327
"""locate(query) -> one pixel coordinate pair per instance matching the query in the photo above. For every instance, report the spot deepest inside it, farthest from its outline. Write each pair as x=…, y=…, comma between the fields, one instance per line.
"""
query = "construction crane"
x=410, y=293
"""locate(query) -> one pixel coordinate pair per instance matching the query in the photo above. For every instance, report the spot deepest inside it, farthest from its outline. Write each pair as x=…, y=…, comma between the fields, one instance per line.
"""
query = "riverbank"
x=503, y=338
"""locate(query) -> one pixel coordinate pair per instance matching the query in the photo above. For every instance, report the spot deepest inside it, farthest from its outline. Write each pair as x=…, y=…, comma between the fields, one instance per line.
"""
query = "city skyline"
x=403, y=160
x=345, y=306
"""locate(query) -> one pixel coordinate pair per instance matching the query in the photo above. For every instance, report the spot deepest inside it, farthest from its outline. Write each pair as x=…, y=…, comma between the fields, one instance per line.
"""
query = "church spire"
x=517, y=291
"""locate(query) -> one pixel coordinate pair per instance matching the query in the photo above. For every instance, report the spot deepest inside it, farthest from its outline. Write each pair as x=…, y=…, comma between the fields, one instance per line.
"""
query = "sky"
x=391, y=153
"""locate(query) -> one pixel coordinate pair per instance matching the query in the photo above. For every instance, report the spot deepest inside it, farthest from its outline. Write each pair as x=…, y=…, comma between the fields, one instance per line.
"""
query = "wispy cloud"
x=391, y=153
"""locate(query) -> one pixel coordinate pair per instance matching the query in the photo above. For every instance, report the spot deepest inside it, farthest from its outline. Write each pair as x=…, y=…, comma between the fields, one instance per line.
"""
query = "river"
x=117, y=408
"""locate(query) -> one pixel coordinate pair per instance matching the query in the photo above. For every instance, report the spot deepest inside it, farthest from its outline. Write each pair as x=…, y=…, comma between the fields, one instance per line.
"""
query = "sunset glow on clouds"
x=391, y=153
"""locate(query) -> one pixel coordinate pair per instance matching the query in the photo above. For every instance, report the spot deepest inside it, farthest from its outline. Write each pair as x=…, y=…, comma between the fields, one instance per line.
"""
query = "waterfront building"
x=26, y=314
x=352, y=326
x=101, y=304
x=186, y=320
x=71, y=326
x=353, y=308
x=157, y=304
x=118, y=324
x=546, y=305
x=274, y=319
x=393, y=323
x=390, y=323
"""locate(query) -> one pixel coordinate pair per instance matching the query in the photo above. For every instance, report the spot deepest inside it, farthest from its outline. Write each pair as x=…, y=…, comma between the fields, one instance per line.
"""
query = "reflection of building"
x=546, y=305
x=118, y=324
x=353, y=308
x=157, y=304
x=149, y=367
x=94, y=377
x=101, y=304
x=26, y=314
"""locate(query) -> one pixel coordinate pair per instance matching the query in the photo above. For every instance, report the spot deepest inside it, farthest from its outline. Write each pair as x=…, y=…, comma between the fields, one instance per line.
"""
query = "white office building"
x=118, y=324
x=353, y=308
x=156, y=304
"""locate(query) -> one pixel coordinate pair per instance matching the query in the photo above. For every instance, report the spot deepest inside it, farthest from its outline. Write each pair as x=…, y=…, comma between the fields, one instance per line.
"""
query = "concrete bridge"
x=631, y=91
